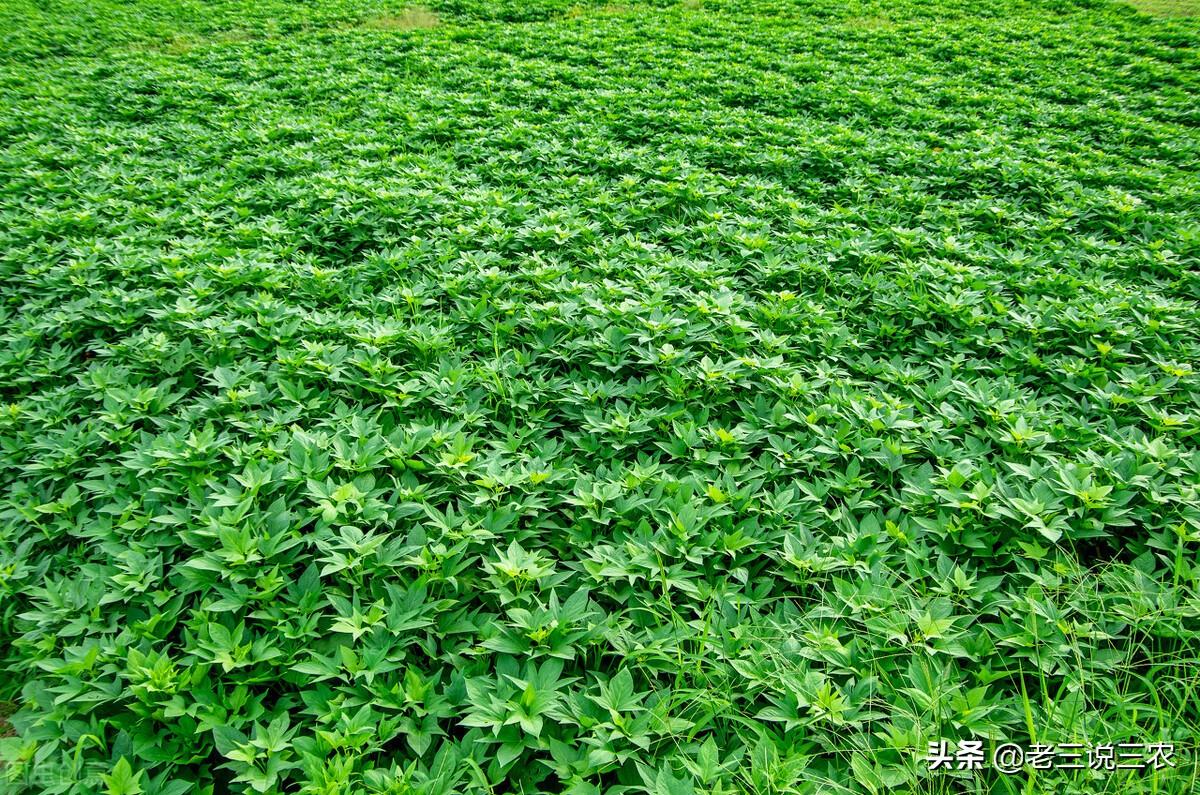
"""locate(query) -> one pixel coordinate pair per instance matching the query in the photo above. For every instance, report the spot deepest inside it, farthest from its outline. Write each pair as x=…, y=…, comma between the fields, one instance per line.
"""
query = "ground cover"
x=501, y=396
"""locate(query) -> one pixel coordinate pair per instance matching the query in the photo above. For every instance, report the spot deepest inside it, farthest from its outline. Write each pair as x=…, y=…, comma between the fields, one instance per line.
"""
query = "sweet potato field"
x=684, y=397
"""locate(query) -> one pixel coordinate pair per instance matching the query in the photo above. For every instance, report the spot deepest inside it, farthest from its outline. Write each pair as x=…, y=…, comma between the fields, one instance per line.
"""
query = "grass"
x=870, y=23
x=415, y=18
x=612, y=8
x=675, y=398
x=1167, y=8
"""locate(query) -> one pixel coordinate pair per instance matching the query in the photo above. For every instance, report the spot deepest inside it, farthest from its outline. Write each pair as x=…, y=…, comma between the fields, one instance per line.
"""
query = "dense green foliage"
x=671, y=398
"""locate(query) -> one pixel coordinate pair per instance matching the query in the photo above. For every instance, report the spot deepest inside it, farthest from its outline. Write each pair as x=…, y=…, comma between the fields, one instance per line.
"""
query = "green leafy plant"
x=562, y=396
